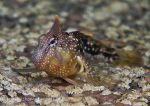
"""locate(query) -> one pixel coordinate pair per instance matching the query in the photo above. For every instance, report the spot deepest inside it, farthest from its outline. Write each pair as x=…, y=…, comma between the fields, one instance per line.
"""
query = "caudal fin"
x=128, y=58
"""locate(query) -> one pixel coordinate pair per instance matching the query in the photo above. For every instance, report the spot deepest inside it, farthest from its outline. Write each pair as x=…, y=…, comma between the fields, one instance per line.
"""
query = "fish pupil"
x=52, y=42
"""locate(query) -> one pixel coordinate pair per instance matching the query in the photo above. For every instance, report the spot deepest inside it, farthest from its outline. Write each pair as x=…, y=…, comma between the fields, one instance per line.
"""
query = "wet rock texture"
x=125, y=22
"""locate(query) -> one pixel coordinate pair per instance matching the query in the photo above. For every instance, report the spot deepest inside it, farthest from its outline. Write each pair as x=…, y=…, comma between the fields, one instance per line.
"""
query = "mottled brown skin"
x=63, y=54
x=56, y=53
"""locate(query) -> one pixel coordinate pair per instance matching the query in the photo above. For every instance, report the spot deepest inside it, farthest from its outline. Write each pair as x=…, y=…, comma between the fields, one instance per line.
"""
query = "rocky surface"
x=124, y=22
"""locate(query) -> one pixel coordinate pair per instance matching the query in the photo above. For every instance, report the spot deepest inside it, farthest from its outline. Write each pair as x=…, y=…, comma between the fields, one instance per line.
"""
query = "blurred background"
x=123, y=21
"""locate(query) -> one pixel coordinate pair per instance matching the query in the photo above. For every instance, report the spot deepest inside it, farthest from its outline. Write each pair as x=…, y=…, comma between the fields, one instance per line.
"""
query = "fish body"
x=64, y=54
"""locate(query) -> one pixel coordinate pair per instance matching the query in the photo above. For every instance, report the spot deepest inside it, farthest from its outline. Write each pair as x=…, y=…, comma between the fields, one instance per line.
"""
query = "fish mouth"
x=37, y=56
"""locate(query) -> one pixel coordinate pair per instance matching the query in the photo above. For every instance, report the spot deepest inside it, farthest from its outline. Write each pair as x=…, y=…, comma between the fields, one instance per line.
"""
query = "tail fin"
x=128, y=58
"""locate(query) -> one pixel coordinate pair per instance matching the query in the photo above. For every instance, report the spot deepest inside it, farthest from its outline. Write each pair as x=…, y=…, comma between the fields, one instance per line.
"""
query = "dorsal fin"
x=56, y=27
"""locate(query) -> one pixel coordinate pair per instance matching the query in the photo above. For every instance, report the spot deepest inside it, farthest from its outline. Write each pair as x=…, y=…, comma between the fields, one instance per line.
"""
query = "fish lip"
x=36, y=57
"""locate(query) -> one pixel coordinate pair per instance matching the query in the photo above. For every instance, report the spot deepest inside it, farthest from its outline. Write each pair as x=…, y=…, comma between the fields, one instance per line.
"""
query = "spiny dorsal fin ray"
x=56, y=27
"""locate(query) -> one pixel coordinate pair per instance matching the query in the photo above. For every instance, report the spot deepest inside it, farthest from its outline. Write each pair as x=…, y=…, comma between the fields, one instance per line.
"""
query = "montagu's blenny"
x=65, y=54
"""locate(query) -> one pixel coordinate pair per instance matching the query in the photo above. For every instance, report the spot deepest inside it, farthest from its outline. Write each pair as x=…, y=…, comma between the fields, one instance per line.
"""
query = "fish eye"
x=52, y=42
